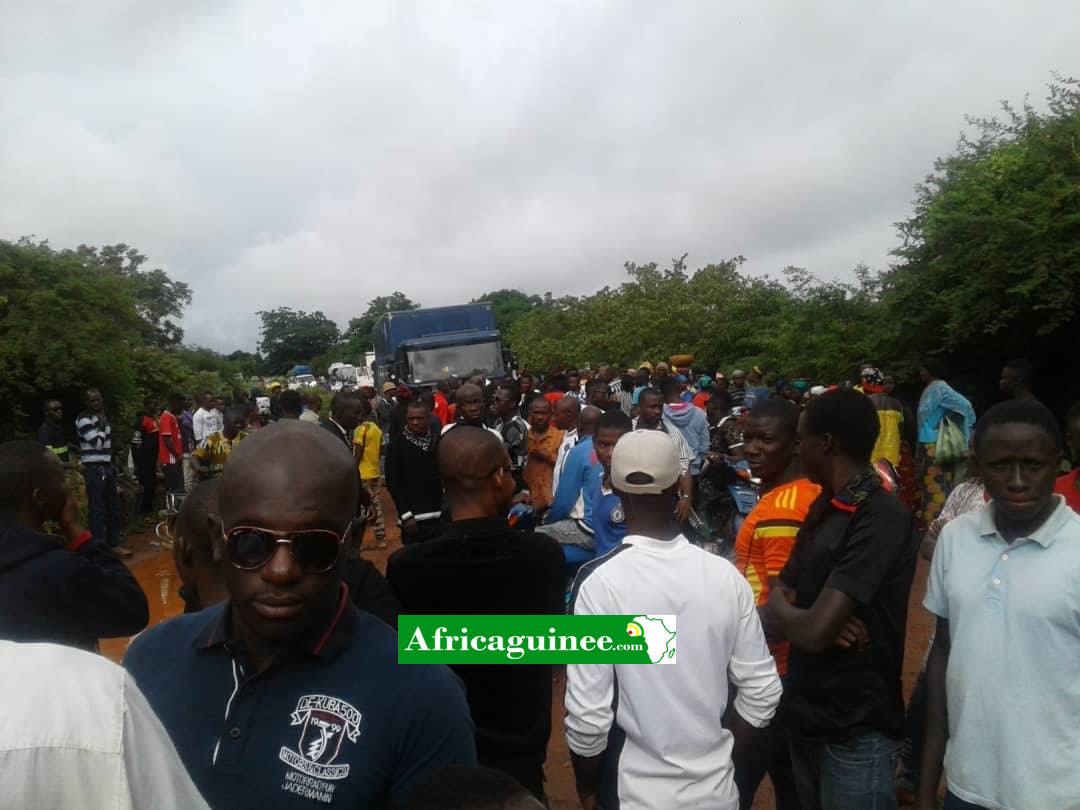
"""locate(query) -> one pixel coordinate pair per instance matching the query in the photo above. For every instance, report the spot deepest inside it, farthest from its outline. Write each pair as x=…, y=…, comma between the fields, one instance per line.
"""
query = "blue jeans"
x=103, y=501
x=857, y=773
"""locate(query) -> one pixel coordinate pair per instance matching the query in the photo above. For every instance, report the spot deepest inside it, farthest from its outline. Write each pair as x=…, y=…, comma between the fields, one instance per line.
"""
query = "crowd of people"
x=591, y=492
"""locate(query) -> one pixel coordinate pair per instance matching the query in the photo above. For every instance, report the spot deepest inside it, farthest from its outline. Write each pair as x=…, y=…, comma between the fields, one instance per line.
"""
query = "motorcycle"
x=727, y=493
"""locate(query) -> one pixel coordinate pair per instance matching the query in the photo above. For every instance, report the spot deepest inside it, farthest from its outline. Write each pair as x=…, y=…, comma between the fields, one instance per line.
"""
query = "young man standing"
x=1002, y=691
x=1016, y=379
x=202, y=421
x=691, y=422
x=841, y=601
x=762, y=549
x=651, y=417
x=661, y=743
x=287, y=695
x=608, y=519
x=544, y=444
x=564, y=416
x=412, y=475
x=513, y=429
x=51, y=434
x=367, y=446
x=471, y=409
x=569, y=520
x=479, y=565
x=96, y=455
x=170, y=446
x=209, y=460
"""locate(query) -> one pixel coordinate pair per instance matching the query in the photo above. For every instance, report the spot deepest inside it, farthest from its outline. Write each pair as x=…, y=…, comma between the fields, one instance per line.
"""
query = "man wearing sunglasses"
x=287, y=693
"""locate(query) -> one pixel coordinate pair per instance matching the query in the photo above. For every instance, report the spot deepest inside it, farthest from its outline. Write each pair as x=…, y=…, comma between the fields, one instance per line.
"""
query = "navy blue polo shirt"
x=342, y=725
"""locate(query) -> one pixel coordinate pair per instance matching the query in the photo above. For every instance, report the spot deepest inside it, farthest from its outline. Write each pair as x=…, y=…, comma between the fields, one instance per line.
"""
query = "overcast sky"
x=317, y=155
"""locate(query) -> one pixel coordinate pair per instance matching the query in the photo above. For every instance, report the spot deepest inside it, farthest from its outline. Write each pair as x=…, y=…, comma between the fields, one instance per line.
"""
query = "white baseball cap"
x=650, y=457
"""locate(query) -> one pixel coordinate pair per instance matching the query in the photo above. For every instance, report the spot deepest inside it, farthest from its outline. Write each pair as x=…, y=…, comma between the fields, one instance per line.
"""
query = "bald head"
x=468, y=391
x=468, y=455
x=586, y=423
x=288, y=476
x=566, y=413
x=470, y=404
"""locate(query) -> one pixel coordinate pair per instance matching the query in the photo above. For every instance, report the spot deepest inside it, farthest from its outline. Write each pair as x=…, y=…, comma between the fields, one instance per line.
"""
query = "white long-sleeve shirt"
x=77, y=732
x=201, y=425
x=672, y=750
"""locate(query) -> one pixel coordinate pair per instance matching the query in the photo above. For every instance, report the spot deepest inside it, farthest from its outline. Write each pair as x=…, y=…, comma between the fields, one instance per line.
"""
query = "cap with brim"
x=757, y=370
x=387, y=387
x=645, y=364
x=682, y=378
x=645, y=462
x=704, y=382
x=738, y=373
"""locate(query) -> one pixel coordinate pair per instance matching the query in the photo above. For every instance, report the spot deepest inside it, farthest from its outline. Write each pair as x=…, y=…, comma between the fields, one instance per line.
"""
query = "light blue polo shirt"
x=1013, y=680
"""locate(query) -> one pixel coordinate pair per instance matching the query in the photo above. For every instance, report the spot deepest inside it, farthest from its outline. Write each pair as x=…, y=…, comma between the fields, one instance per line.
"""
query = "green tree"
x=289, y=337
x=64, y=326
x=989, y=264
x=159, y=300
x=509, y=306
x=357, y=336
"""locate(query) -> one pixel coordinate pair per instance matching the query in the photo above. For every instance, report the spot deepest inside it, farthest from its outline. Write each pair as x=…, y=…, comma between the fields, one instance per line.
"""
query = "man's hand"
x=682, y=510
x=853, y=635
x=409, y=528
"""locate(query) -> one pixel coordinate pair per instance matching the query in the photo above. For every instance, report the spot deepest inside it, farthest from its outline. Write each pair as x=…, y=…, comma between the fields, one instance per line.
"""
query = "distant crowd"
x=780, y=524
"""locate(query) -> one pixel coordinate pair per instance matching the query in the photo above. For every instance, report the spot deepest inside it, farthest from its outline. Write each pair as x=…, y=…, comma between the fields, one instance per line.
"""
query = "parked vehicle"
x=423, y=346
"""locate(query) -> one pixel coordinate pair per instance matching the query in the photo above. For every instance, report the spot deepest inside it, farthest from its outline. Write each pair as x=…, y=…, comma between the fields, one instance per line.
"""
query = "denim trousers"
x=103, y=502
x=857, y=774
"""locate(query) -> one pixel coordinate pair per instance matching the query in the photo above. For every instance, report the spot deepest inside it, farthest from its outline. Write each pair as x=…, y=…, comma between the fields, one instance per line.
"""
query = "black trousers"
x=146, y=472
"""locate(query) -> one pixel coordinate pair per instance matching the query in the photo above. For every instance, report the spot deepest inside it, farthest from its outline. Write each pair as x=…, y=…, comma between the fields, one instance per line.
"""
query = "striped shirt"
x=95, y=438
x=766, y=539
x=686, y=455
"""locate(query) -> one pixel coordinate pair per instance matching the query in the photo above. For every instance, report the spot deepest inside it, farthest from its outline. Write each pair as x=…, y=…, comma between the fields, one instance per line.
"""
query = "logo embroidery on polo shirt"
x=325, y=722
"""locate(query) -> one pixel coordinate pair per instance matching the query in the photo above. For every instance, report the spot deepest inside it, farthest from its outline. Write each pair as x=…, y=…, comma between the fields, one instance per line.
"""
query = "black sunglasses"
x=314, y=550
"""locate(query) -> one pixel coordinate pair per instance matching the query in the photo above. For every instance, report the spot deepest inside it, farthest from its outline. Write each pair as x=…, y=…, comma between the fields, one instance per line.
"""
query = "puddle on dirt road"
x=156, y=573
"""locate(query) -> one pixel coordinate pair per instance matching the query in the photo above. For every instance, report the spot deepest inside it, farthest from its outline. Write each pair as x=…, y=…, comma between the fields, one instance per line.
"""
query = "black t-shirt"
x=53, y=436
x=485, y=567
x=862, y=543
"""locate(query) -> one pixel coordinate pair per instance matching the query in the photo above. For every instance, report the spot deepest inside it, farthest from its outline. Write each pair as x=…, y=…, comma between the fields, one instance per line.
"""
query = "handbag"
x=951, y=445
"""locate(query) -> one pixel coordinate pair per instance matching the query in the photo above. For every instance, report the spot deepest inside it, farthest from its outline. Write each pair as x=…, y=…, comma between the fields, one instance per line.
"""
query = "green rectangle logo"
x=536, y=639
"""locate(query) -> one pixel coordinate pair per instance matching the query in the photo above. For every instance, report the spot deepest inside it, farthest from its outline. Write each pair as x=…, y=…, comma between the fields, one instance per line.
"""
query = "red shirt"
x=701, y=399
x=442, y=408
x=553, y=397
x=169, y=451
x=1066, y=485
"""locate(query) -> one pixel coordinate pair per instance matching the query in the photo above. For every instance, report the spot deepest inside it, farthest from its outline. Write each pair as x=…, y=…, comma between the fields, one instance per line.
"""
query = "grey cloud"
x=318, y=155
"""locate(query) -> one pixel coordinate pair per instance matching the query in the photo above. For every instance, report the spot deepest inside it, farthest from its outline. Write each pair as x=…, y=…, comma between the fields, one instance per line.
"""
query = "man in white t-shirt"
x=648, y=736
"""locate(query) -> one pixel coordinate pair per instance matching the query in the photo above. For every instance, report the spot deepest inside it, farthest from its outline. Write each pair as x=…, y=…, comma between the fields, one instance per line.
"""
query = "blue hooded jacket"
x=691, y=422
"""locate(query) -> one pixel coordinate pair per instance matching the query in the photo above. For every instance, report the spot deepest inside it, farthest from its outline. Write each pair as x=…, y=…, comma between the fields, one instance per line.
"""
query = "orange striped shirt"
x=766, y=539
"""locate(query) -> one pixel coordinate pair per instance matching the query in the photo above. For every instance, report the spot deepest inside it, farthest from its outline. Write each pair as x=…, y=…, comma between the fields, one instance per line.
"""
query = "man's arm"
x=570, y=483
x=589, y=715
x=869, y=554
x=937, y=718
x=752, y=670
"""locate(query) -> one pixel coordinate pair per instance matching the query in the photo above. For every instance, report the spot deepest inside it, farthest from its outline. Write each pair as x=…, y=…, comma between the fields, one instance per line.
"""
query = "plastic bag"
x=951, y=444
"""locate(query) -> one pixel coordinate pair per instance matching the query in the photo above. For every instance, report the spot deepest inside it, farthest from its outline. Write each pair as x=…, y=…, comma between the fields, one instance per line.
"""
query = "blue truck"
x=423, y=346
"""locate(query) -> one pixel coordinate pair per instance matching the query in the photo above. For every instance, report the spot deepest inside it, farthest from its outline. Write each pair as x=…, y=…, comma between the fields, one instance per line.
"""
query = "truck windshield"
x=428, y=365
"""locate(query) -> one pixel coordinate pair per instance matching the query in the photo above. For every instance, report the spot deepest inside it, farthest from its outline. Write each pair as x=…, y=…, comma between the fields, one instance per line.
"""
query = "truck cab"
x=423, y=346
